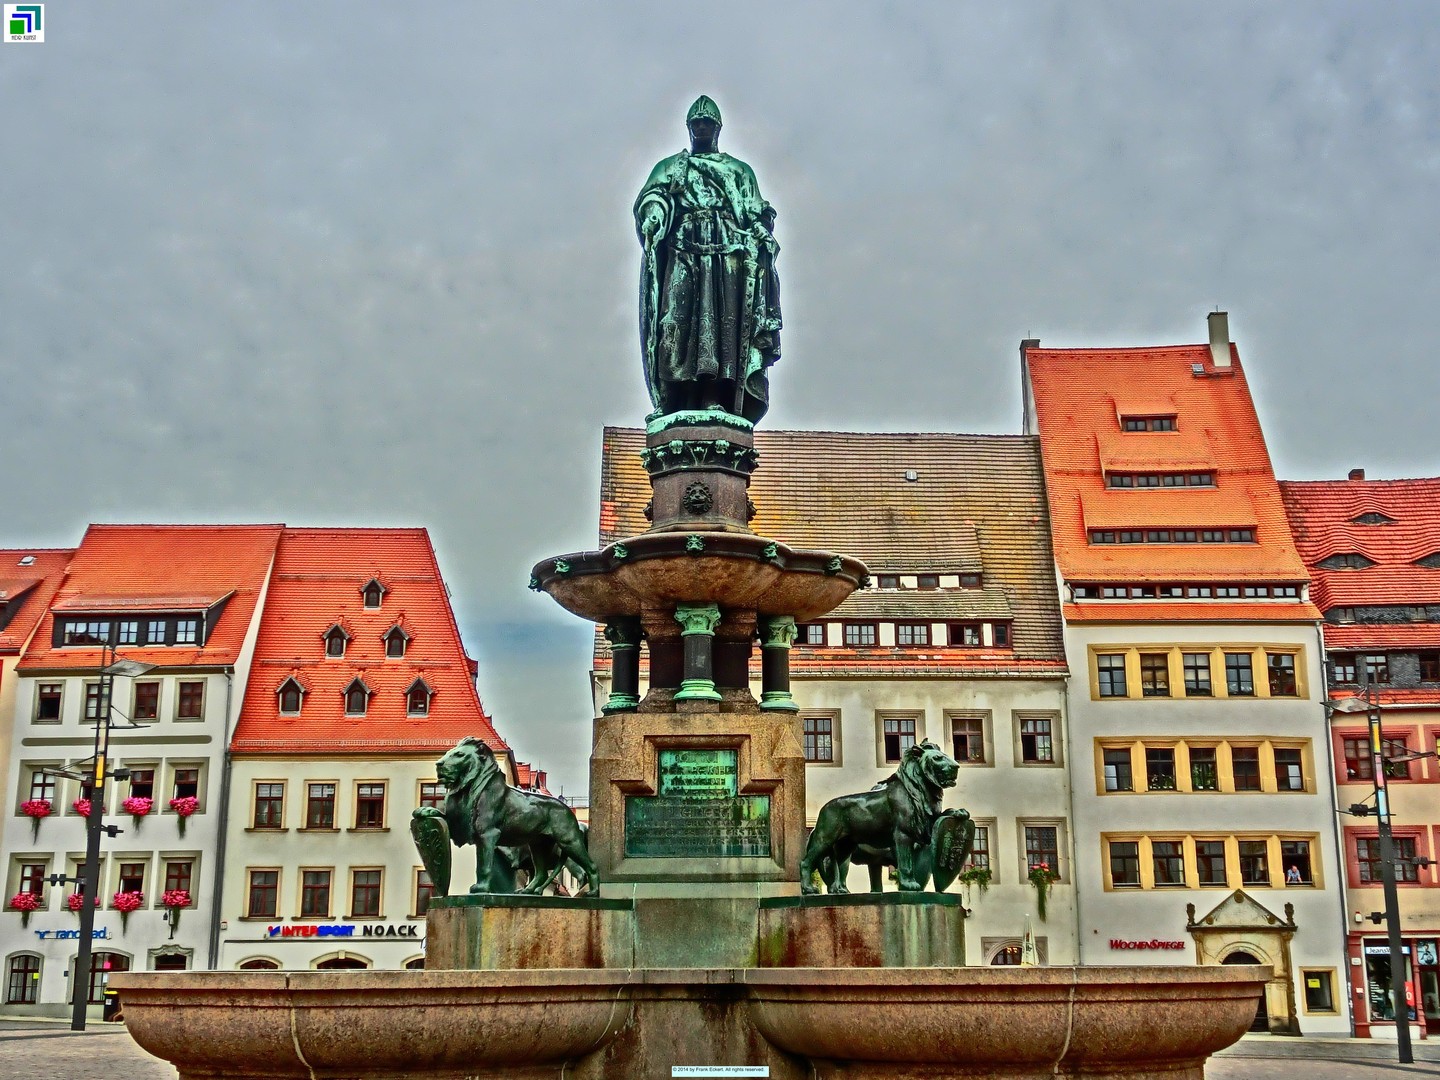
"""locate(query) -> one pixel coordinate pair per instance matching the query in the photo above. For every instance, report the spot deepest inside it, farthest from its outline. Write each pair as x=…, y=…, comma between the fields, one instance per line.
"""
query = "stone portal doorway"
x=1240, y=930
x=1262, y=1014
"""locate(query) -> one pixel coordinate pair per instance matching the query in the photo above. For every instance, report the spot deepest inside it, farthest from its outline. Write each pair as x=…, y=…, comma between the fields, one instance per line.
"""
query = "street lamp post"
x=90, y=873
x=1400, y=1006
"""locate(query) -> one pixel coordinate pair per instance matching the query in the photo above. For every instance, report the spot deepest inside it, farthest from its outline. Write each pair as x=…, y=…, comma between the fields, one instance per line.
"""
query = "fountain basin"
x=894, y=1023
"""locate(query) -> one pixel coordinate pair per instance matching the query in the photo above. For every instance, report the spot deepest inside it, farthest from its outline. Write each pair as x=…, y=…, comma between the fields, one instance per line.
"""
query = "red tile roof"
x=1322, y=513
x=26, y=591
x=317, y=582
x=1079, y=398
x=1398, y=636
x=126, y=563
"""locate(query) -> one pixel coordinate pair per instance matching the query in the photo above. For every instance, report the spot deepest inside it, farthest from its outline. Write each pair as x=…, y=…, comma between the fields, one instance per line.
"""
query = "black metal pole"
x=90, y=875
x=1392, y=893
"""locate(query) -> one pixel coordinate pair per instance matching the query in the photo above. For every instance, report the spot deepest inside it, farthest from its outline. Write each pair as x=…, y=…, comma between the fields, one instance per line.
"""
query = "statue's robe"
x=709, y=294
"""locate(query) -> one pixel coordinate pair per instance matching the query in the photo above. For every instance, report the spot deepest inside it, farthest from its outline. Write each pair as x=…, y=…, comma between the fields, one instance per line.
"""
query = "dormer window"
x=1148, y=423
x=396, y=642
x=1432, y=561
x=1372, y=518
x=357, y=698
x=291, y=694
x=1346, y=560
x=374, y=592
x=335, y=641
x=417, y=698
x=969, y=581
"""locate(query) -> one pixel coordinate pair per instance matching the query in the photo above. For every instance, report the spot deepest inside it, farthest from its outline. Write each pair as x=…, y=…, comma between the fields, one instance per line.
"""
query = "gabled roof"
x=26, y=589
x=316, y=584
x=129, y=567
x=976, y=505
x=1322, y=514
x=1080, y=396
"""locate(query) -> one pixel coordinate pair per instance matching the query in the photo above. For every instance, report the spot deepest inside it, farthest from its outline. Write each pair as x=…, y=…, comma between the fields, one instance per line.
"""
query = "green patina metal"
x=697, y=811
x=777, y=631
x=681, y=454
x=709, y=295
x=694, y=544
x=620, y=552
x=534, y=583
x=657, y=422
x=562, y=566
x=770, y=553
x=697, y=618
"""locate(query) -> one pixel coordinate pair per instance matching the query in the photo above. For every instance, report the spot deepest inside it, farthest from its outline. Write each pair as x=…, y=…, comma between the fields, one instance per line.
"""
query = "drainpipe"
x=217, y=908
x=1070, y=796
x=1339, y=838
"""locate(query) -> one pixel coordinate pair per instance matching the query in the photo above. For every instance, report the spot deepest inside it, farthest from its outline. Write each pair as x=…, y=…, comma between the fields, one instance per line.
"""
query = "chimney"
x=1357, y=474
x=1219, y=339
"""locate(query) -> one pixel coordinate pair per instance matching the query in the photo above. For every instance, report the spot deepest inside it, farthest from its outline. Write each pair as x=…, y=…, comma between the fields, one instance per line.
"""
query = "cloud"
x=343, y=264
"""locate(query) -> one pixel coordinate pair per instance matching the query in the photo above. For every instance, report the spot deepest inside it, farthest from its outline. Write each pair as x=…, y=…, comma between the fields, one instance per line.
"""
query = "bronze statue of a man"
x=709, y=295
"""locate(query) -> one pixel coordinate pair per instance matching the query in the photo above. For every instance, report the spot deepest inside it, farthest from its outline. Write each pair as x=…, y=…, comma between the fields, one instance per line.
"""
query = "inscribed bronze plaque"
x=697, y=813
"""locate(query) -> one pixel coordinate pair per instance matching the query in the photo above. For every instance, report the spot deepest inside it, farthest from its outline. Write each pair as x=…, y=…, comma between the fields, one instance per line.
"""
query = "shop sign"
x=1153, y=943
x=1425, y=952
x=1384, y=950
x=102, y=934
x=369, y=930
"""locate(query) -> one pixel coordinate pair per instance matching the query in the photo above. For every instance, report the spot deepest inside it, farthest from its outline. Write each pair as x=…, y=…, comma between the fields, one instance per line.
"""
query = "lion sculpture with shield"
x=899, y=822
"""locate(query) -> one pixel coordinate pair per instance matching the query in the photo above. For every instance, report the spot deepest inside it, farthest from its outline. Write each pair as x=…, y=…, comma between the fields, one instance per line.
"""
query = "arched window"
x=1007, y=956
x=417, y=698
x=357, y=698
x=102, y=966
x=259, y=963
x=374, y=592
x=22, y=984
x=415, y=964
x=396, y=642
x=291, y=695
x=335, y=641
x=336, y=963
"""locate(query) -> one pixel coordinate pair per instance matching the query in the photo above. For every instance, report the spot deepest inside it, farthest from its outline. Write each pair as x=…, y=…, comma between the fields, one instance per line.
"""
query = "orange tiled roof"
x=116, y=562
x=316, y=583
x=1199, y=611
x=1382, y=636
x=977, y=505
x=1079, y=396
x=1413, y=696
x=1323, y=514
x=27, y=591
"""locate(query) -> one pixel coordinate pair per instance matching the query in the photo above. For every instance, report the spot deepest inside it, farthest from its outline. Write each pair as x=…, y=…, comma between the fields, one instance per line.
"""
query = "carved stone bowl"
x=738, y=571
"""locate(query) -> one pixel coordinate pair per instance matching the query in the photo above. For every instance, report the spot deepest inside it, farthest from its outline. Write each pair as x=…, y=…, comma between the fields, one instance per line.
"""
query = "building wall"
x=166, y=745
x=292, y=847
x=1160, y=913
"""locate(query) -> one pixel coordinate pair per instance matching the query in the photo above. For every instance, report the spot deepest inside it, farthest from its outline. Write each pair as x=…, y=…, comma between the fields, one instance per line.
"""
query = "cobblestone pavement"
x=51, y=1051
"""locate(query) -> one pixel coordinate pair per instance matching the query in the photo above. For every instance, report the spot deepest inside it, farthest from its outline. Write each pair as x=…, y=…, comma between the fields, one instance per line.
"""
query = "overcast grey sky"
x=372, y=263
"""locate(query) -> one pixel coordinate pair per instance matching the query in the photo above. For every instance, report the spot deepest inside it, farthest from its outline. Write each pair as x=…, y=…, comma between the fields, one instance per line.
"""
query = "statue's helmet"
x=705, y=108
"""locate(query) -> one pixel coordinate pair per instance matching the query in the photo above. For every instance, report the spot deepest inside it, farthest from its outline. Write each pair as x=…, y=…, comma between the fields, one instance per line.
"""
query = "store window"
x=22, y=984
x=1319, y=990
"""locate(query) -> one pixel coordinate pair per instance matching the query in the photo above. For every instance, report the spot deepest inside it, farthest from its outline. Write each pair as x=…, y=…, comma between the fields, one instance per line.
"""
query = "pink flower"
x=137, y=805
x=37, y=808
x=82, y=807
x=176, y=898
x=126, y=902
x=74, y=901
x=186, y=806
x=25, y=901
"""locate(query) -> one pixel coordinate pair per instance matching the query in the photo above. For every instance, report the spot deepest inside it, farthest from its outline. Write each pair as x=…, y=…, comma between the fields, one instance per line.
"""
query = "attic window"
x=291, y=693
x=417, y=699
x=1372, y=518
x=357, y=698
x=335, y=640
x=1432, y=560
x=396, y=641
x=27, y=560
x=889, y=581
x=1148, y=423
x=374, y=592
x=1346, y=560
x=969, y=581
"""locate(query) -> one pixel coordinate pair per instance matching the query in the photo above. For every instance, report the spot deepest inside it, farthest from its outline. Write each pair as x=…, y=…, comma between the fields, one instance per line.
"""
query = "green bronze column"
x=623, y=633
x=697, y=627
x=777, y=632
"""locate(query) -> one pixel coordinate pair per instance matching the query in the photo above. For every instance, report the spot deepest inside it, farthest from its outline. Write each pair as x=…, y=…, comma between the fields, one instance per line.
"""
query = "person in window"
x=1292, y=875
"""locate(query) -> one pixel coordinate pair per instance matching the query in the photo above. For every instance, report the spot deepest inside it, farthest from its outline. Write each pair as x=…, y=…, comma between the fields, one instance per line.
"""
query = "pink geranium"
x=37, y=808
x=126, y=902
x=137, y=805
x=185, y=806
x=25, y=901
x=75, y=901
x=82, y=807
x=176, y=898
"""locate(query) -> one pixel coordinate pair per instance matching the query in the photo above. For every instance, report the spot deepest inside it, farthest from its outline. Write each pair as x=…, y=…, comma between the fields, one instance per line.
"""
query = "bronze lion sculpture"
x=891, y=824
x=503, y=823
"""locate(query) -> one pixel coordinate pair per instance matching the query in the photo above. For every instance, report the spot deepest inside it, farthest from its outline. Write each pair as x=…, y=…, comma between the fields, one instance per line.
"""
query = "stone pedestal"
x=692, y=834
x=700, y=465
x=490, y=932
x=893, y=929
